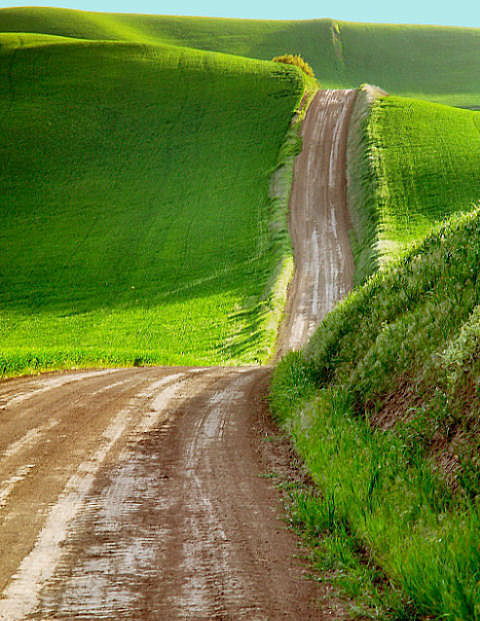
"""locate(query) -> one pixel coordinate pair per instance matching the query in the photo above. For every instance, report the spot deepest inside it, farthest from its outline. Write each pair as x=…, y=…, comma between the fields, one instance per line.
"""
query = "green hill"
x=383, y=405
x=428, y=62
x=416, y=163
x=136, y=209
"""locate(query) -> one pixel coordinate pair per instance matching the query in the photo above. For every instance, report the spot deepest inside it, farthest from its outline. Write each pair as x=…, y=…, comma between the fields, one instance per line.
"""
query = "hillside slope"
x=436, y=63
x=135, y=202
x=412, y=164
x=384, y=406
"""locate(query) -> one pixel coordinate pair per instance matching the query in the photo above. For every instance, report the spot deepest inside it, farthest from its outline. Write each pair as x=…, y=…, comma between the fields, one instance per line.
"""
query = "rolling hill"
x=142, y=222
x=126, y=137
x=427, y=62
x=136, y=206
x=413, y=164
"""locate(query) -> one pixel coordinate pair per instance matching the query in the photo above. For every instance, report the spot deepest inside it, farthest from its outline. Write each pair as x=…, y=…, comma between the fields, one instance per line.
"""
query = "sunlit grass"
x=420, y=164
x=428, y=62
x=137, y=215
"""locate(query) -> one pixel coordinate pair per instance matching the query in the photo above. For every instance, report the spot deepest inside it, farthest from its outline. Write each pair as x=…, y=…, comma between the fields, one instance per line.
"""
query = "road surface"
x=141, y=493
x=319, y=219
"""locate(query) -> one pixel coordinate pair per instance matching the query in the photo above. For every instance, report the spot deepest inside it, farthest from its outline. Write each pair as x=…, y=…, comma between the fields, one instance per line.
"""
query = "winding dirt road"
x=319, y=219
x=141, y=493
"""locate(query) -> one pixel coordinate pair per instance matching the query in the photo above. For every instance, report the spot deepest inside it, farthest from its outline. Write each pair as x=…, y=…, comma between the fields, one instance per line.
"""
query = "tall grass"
x=383, y=406
x=426, y=542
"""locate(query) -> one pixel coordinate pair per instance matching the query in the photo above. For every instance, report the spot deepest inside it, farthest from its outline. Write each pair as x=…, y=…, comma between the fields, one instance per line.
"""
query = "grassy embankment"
x=413, y=164
x=427, y=62
x=383, y=406
x=137, y=219
x=383, y=403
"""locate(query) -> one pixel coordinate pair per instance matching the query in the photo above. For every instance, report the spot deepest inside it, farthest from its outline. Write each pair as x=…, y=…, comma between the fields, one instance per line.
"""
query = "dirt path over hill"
x=319, y=219
x=141, y=493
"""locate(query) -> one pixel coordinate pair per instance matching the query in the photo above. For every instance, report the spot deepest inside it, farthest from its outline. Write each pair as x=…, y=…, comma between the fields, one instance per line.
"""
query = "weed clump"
x=297, y=61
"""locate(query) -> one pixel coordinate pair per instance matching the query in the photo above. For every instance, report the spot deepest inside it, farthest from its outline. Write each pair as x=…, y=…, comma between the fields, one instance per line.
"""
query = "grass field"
x=418, y=162
x=383, y=405
x=435, y=63
x=138, y=224
x=136, y=208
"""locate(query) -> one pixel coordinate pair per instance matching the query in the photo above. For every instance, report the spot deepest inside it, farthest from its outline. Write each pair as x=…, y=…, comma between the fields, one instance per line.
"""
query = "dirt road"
x=319, y=219
x=141, y=493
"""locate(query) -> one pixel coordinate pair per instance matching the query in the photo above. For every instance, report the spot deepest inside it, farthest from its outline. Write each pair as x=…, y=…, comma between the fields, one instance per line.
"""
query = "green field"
x=421, y=163
x=145, y=169
x=428, y=62
x=137, y=222
x=383, y=406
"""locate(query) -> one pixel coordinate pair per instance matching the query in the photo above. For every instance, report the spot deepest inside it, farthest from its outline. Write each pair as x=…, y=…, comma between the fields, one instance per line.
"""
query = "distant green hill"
x=429, y=162
x=135, y=207
x=436, y=63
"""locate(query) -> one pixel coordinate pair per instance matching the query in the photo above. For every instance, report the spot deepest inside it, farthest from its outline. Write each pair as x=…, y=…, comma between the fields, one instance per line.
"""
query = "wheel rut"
x=319, y=219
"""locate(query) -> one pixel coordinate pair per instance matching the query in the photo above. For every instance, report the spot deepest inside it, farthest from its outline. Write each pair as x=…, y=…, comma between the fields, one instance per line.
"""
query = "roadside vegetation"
x=383, y=406
x=138, y=224
x=428, y=62
x=297, y=61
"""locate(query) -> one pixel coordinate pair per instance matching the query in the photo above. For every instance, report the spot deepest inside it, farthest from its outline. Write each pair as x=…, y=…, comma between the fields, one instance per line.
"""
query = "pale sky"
x=441, y=12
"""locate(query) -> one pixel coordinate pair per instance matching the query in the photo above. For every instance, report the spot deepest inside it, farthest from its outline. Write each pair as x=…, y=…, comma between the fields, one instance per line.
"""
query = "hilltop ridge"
x=428, y=62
